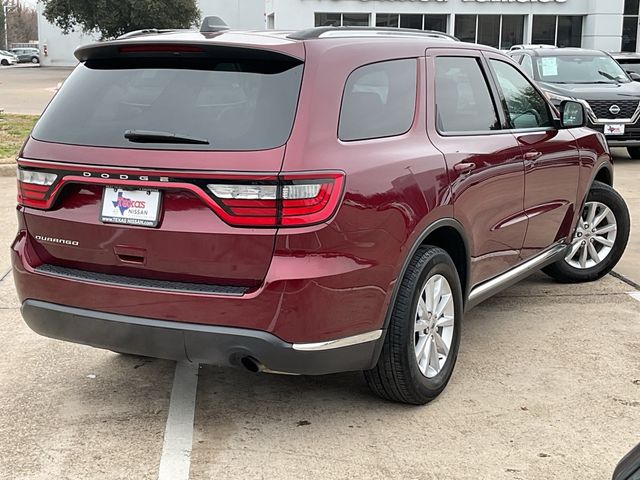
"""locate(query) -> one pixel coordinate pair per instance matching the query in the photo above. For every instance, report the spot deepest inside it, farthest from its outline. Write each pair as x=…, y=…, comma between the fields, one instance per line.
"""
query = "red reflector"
x=35, y=188
x=161, y=48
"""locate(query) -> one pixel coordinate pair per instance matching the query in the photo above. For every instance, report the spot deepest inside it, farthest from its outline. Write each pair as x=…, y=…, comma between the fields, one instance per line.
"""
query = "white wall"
x=238, y=14
x=603, y=30
x=60, y=47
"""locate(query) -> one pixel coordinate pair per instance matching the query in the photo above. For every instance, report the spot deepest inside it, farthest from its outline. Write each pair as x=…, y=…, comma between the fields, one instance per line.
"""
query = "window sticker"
x=549, y=66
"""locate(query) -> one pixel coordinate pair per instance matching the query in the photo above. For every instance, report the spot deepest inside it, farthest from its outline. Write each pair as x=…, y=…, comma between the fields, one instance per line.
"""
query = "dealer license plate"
x=614, y=129
x=130, y=207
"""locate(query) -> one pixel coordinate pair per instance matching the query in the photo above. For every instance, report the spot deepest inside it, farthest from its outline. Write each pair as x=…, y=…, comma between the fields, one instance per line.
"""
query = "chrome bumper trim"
x=339, y=342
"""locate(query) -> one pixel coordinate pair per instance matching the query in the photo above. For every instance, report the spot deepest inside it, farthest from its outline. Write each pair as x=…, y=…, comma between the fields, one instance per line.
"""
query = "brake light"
x=160, y=48
x=34, y=187
x=292, y=200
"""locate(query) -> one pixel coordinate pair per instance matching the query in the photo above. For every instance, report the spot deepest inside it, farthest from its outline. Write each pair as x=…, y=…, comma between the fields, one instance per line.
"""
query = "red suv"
x=308, y=203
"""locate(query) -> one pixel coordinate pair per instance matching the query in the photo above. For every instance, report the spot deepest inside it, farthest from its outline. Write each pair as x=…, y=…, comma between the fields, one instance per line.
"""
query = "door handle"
x=532, y=156
x=464, y=167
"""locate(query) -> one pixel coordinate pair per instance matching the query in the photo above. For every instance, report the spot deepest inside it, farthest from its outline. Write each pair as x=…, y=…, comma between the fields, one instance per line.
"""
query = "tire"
x=570, y=270
x=634, y=152
x=5, y=63
x=35, y=60
x=398, y=376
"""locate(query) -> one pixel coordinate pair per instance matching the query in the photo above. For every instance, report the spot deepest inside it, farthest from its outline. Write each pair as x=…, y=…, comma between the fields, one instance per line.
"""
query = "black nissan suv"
x=594, y=78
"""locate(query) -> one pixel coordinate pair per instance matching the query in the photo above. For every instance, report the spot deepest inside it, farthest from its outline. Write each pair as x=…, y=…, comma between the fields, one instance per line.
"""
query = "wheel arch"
x=445, y=233
x=604, y=174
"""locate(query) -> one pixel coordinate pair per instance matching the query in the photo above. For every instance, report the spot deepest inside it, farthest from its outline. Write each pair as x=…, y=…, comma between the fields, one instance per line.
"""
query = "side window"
x=379, y=100
x=463, y=100
x=526, y=107
x=527, y=65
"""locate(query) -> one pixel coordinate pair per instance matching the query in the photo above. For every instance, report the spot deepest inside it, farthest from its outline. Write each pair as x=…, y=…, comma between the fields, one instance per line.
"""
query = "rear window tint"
x=234, y=105
x=379, y=100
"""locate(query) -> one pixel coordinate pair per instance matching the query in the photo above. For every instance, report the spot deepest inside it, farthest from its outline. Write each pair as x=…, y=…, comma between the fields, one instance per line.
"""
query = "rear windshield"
x=230, y=105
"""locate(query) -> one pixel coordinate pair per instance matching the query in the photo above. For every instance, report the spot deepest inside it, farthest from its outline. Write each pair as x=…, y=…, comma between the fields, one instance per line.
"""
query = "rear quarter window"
x=379, y=100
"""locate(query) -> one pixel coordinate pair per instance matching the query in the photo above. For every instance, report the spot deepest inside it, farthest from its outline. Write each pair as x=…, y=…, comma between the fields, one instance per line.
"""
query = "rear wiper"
x=147, y=136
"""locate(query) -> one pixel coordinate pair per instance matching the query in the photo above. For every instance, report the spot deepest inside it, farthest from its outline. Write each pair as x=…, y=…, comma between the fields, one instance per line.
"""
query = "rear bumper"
x=224, y=346
x=303, y=299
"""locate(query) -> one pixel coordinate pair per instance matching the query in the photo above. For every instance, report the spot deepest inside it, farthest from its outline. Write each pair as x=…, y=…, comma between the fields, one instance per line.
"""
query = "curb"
x=8, y=170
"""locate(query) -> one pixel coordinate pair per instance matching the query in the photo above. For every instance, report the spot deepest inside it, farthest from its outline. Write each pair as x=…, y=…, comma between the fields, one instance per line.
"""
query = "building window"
x=489, y=30
x=411, y=21
x=387, y=20
x=466, y=27
x=630, y=26
x=512, y=31
x=563, y=31
x=499, y=31
x=414, y=21
x=569, y=32
x=341, y=19
x=437, y=23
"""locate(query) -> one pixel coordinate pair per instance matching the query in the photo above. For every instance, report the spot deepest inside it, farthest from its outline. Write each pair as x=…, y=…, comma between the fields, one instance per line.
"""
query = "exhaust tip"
x=251, y=364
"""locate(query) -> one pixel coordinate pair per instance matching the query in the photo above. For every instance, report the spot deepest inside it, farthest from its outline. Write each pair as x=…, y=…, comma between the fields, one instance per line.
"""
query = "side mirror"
x=572, y=114
x=634, y=76
x=629, y=466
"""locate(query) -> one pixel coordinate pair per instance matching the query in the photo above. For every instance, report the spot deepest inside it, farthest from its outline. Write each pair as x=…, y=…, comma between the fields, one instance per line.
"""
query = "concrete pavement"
x=627, y=182
x=29, y=90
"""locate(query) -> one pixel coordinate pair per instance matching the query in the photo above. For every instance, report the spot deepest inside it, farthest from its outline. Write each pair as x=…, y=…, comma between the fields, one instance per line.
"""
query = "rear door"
x=551, y=158
x=197, y=207
x=485, y=165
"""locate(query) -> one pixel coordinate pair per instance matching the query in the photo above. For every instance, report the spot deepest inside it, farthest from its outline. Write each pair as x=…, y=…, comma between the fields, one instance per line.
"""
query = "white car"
x=7, y=59
x=530, y=46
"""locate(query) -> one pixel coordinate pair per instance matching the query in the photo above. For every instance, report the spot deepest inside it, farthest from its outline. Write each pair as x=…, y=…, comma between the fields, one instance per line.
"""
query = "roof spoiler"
x=213, y=24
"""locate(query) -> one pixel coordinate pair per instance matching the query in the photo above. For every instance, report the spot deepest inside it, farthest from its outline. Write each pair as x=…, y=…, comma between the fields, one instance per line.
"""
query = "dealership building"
x=610, y=25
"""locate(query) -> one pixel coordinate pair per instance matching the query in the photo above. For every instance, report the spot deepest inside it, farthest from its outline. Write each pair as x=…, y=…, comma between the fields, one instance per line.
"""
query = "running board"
x=489, y=288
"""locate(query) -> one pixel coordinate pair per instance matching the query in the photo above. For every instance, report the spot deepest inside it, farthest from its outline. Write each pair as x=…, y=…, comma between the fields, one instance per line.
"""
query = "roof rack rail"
x=146, y=31
x=327, y=32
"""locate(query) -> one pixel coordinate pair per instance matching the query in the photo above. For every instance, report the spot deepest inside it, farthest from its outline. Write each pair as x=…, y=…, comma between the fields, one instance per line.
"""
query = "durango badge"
x=59, y=241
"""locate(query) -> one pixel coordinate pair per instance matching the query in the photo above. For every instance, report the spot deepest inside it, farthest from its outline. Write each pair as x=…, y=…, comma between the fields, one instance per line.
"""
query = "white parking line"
x=178, y=435
x=4, y=275
x=635, y=295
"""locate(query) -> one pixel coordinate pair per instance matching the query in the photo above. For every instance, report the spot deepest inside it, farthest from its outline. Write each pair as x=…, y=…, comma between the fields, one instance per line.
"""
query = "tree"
x=22, y=24
x=112, y=18
x=3, y=33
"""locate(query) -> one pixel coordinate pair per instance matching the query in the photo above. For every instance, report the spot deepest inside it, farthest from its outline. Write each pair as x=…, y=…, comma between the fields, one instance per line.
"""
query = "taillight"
x=34, y=187
x=289, y=201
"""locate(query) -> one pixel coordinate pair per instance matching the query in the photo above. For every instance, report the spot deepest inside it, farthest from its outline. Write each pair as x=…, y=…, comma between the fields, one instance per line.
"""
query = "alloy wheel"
x=594, y=238
x=434, y=324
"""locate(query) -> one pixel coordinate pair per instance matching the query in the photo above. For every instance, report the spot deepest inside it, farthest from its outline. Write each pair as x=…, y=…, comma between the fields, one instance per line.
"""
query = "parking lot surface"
x=27, y=90
x=627, y=182
x=547, y=386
